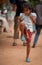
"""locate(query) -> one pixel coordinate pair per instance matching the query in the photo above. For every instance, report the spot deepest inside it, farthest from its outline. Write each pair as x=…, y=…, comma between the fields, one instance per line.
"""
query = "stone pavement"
x=15, y=55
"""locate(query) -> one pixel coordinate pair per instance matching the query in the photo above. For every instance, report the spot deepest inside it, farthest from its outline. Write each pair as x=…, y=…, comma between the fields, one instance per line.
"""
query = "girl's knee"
x=21, y=27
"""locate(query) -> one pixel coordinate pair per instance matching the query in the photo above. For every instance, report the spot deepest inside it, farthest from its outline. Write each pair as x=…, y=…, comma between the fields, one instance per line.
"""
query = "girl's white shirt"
x=27, y=20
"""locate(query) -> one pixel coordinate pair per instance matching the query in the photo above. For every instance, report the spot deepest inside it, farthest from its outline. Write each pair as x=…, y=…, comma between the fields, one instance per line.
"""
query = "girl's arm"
x=33, y=19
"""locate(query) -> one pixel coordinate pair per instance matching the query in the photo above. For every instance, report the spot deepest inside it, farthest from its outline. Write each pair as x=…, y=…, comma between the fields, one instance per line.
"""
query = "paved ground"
x=10, y=55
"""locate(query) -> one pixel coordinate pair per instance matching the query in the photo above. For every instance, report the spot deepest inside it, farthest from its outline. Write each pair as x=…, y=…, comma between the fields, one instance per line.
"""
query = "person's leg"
x=22, y=26
x=28, y=52
x=28, y=46
x=36, y=36
x=16, y=31
x=1, y=23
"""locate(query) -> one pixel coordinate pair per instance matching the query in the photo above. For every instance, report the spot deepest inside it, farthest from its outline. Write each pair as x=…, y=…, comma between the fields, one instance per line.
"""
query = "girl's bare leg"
x=28, y=52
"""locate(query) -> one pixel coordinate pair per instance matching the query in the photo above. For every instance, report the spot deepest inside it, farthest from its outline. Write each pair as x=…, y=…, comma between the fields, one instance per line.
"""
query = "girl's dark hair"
x=27, y=5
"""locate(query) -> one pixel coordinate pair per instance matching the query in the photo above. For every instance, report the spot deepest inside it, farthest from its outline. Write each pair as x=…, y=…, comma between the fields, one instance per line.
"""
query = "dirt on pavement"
x=16, y=55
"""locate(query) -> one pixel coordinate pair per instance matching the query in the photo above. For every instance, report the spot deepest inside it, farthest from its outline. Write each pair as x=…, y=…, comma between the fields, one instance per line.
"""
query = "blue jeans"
x=38, y=28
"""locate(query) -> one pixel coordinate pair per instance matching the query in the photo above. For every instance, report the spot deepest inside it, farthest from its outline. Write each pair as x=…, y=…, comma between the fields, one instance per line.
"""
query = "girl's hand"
x=33, y=19
x=27, y=35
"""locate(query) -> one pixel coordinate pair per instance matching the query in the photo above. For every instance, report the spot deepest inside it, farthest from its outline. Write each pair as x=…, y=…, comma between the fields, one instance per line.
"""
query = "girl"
x=26, y=27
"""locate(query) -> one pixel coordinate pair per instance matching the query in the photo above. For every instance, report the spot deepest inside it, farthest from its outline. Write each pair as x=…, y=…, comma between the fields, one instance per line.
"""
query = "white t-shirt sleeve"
x=22, y=16
x=33, y=14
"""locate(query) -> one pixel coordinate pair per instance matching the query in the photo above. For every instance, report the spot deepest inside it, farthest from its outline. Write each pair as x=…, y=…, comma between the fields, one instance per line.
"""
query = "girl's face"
x=27, y=11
